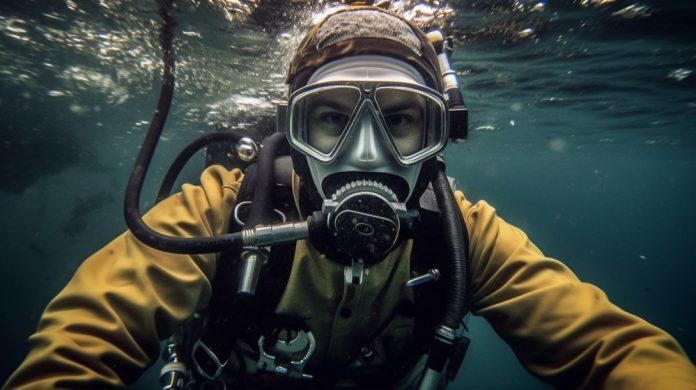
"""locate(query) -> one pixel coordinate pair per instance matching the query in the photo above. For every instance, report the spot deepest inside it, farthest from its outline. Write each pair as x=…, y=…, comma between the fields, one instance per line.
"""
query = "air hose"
x=258, y=235
x=135, y=184
x=456, y=239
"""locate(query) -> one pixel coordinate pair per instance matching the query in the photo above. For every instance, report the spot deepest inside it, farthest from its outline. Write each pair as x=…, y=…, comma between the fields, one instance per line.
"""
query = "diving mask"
x=411, y=118
x=368, y=114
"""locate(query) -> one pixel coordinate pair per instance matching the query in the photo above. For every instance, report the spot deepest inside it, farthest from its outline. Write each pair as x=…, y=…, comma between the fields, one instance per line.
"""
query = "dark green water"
x=583, y=134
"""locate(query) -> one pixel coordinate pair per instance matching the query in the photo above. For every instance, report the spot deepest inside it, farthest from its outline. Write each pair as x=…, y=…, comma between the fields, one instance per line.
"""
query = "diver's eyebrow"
x=335, y=105
x=402, y=106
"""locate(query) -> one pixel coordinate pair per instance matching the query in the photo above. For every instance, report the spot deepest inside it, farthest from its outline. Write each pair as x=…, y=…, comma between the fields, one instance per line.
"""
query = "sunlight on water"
x=114, y=49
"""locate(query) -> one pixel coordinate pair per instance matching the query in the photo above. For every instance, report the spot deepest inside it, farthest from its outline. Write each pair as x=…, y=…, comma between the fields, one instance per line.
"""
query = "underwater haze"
x=582, y=133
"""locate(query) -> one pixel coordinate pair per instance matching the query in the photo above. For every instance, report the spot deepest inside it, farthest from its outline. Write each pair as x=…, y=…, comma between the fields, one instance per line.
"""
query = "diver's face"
x=371, y=115
x=404, y=116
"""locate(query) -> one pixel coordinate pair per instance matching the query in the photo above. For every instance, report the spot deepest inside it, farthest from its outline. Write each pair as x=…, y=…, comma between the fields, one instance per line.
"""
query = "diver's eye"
x=399, y=121
x=334, y=119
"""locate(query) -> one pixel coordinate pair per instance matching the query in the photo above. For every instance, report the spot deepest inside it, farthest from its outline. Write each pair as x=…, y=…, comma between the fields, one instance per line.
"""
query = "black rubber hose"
x=457, y=242
x=188, y=152
x=135, y=184
x=457, y=249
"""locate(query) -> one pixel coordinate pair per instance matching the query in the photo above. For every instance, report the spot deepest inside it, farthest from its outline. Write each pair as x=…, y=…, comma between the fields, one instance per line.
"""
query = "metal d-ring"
x=248, y=203
x=219, y=367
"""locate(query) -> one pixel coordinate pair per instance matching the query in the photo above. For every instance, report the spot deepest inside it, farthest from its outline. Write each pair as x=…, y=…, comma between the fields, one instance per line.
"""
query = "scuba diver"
x=333, y=252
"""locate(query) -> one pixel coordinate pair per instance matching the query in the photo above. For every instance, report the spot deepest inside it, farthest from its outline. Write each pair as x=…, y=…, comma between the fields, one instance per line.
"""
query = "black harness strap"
x=428, y=252
x=232, y=316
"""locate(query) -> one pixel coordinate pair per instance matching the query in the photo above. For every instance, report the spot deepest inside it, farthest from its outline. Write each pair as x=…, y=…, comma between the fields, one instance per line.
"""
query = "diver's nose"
x=367, y=150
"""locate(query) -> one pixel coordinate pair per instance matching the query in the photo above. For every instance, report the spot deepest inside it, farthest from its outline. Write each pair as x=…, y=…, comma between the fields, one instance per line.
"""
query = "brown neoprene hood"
x=308, y=57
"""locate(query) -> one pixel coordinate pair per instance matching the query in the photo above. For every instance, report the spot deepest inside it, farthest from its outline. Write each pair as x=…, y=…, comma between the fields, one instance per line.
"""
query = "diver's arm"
x=564, y=331
x=104, y=328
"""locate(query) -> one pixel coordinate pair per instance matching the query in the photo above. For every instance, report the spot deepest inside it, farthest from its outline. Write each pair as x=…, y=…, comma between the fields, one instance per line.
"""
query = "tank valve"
x=247, y=149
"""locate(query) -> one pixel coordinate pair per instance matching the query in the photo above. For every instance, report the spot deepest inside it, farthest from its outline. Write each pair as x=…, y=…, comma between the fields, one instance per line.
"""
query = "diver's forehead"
x=371, y=68
x=363, y=74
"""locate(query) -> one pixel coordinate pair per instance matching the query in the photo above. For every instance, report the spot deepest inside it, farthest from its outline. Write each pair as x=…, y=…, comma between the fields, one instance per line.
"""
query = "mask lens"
x=413, y=119
x=320, y=116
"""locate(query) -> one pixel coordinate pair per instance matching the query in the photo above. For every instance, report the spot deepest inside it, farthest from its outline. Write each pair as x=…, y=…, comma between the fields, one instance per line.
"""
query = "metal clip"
x=353, y=273
x=431, y=276
x=289, y=355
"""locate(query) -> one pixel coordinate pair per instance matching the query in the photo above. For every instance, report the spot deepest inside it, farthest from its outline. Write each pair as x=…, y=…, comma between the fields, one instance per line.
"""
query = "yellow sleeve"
x=564, y=331
x=104, y=328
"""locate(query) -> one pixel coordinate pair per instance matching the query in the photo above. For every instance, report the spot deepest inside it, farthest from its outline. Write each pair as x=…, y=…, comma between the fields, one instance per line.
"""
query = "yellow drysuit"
x=104, y=328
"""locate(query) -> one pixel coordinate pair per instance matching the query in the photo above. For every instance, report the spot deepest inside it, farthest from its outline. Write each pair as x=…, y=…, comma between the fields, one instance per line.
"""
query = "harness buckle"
x=353, y=273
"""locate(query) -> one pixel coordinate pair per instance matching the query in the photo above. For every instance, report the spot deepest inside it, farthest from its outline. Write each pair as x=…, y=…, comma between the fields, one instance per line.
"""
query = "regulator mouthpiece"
x=364, y=220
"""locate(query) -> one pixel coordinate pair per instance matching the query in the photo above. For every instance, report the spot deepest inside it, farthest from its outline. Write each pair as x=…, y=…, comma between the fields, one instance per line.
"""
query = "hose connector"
x=253, y=259
x=445, y=334
x=267, y=235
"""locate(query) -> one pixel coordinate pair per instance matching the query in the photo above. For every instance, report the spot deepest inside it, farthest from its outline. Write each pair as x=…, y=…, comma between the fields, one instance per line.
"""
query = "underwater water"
x=582, y=119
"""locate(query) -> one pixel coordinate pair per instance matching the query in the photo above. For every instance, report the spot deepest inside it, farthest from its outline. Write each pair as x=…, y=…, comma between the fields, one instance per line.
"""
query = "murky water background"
x=583, y=134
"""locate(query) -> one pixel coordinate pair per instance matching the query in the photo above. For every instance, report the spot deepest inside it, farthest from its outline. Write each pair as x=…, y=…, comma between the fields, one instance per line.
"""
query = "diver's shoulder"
x=480, y=216
x=468, y=206
x=222, y=176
